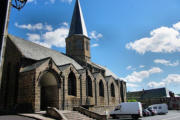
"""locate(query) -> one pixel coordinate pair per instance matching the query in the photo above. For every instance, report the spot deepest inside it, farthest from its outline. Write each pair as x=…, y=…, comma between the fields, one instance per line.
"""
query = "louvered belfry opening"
x=89, y=86
x=72, y=84
x=101, y=89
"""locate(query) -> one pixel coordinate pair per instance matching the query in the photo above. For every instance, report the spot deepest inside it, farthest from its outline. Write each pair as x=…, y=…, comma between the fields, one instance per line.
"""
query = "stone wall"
x=69, y=100
x=9, y=86
x=26, y=92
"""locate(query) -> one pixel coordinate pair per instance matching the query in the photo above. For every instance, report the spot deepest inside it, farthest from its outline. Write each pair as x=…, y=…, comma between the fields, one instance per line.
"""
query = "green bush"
x=132, y=100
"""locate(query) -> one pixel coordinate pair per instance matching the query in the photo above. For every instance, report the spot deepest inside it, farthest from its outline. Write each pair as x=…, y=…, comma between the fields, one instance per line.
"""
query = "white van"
x=160, y=108
x=133, y=109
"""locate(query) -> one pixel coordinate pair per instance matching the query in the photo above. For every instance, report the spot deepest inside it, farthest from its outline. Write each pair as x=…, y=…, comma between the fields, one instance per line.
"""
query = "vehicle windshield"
x=117, y=108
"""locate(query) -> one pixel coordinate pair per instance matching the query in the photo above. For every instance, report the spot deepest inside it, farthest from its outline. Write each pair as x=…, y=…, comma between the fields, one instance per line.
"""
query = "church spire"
x=77, y=24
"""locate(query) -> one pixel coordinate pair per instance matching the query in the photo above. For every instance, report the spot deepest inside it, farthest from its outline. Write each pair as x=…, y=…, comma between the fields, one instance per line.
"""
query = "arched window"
x=72, y=84
x=101, y=89
x=112, y=90
x=88, y=86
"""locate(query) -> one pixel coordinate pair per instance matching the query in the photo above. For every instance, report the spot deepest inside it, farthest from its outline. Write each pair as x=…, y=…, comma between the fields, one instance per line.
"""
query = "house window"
x=101, y=89
x=112, y=90
x=72, y=84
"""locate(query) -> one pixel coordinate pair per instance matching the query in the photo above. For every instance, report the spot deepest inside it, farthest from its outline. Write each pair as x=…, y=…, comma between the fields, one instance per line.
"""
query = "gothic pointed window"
x=101, y=89
x=72, y=84
x=88, y=86
x=112, y=90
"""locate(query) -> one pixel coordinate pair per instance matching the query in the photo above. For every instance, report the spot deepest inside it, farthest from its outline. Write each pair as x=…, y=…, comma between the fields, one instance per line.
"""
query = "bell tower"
x=77, y=42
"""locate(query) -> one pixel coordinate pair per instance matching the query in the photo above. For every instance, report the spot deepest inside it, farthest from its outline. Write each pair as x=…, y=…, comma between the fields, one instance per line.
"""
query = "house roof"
x=37, y=52
x=149, y=94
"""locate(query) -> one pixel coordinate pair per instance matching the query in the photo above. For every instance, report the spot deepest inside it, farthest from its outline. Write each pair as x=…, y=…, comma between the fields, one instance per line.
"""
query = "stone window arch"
x=112, y=90
x=72, y=84
x=88, y=86
x=101, y=88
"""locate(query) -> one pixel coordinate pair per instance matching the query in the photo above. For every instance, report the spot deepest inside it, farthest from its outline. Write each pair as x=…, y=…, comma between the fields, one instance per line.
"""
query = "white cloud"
x=177, y=26
x=140, y=76
x=132, y=85
x=95, y=35
x=162, y=40
x=95, y=45
x=38, y=26
x=37, y=39
x=65, y=24
x=56, y=37
x=156, y=84
x=52, y=1
x=48, y=27
x=141, y=66
x=51, y=38
x=130, y=68
x=170, y=79
x=32, y=1
x=69, y=1
x=166, y=62
x=33, y=37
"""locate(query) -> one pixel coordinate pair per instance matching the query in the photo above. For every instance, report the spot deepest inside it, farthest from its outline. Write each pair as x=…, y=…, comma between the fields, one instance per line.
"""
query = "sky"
x=139, y=40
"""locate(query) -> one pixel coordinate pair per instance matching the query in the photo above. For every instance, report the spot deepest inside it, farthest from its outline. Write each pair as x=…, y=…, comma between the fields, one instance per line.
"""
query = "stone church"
x=35, y=77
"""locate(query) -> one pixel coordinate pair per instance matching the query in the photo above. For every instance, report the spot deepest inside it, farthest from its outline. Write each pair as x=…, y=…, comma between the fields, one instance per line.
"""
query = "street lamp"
x=19, y=4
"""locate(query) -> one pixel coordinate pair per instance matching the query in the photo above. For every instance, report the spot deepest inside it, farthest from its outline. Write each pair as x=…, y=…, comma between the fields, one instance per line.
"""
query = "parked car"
x=160, y=108
x=146, y=112
x=153, y=111
x=133, y=109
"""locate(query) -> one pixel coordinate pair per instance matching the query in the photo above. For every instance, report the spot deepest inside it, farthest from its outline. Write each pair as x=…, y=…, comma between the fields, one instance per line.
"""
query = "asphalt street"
x=14, y=117
x=172, y=115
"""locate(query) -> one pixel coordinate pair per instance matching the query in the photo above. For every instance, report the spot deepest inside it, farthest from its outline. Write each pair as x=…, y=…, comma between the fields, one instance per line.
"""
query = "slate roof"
x=38, y=52
x=109, y=72
x=149, y=94
x=33, y=66
x=77, y=23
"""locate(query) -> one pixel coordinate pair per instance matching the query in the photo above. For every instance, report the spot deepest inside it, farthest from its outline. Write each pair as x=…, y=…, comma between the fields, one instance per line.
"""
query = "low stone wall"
x=103, y=110
x=54, y=113
x=90, y=113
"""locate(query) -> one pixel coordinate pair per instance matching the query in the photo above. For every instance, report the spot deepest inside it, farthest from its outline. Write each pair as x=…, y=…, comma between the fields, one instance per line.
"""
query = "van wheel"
x=135, y=117
x=114, y=116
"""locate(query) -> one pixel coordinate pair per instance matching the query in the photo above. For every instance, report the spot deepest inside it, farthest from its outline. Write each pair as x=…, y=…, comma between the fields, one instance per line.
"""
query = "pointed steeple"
x=77, y=24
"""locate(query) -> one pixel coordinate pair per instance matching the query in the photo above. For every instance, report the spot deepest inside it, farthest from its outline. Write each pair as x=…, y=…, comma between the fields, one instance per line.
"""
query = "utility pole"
x=4, y=19
x=5, y=6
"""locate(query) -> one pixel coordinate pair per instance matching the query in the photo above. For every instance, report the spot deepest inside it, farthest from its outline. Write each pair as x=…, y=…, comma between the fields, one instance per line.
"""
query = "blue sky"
x=139, y=40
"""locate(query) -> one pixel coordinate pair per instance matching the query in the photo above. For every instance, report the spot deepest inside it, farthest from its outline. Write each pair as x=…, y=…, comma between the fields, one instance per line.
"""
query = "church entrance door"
x=49, y=95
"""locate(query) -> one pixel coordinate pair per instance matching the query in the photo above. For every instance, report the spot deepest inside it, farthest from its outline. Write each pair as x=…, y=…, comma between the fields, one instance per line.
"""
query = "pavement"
x=14, y=117
x=26, y=116
x=171, y=115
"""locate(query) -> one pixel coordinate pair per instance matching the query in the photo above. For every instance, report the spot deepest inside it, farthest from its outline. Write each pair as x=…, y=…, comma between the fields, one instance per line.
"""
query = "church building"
x=36, y=77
